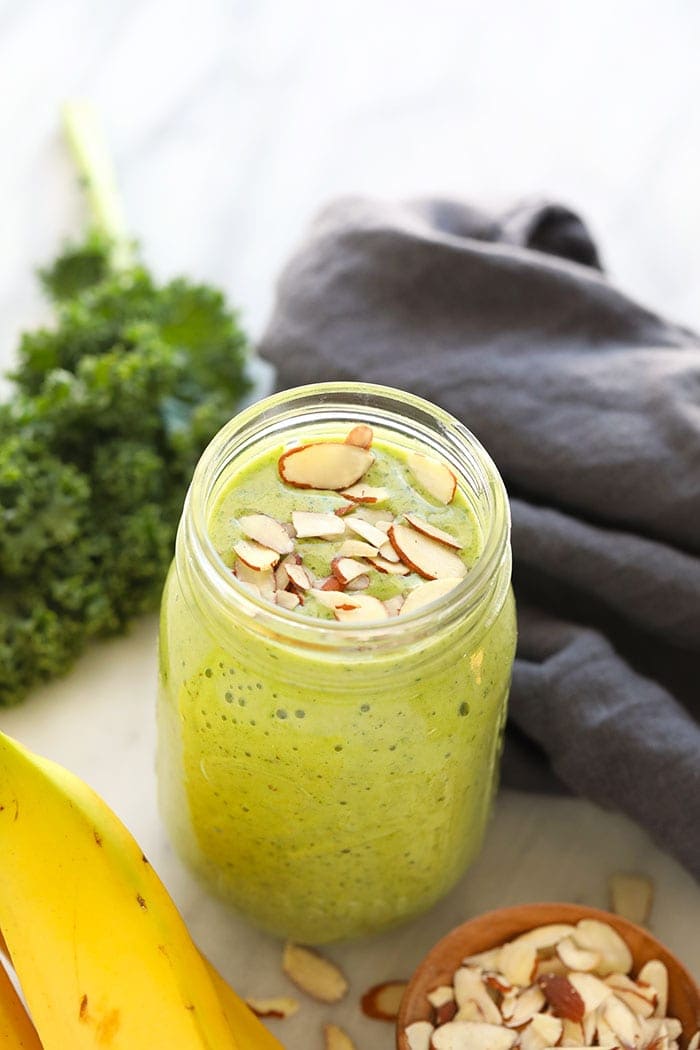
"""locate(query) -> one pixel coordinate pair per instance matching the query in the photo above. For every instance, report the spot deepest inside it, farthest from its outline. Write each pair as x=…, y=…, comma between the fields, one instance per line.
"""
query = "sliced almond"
x=347, y=569
x=360, y=608
x=329, y=583
x=425, y=593
x=331, y=597
x=469, y=987
x=497, y=982
x=473, y=1035
x=572, y=1033
x=563, y=998
x=576, y=958
x=547, y=1027
x=654, y=973
x=344, y=509
x=444, y=993
x=381, y=518
x=623, y=1022
x=382, y=1001
x=325, y=465
x=316, y=524
x=299, y=577
x=394, y=604
x=261, y=583
x=520, y=1009
x=360, y=583
x=287, y=600
x=631, y=896
x=418, y=1035
x=391, y=568
x=615, y=956
x=362, y=493
x=694, y=1041
x=281, y=1006
x=281, y=577
x=361, y=435
x=370, y=533
x=550, y=964
x=591, y=989
x=314, y=973
x=266, y=531
x=604, y=1034
x=425, y=556
x=387, y=552
x=432, y=531
x=518, y=958
x=357, y=549
x=623, y=985
x=336, y=1038
x=487, y=960
x=468, y=1011
x=255, y=556
x=547, y=936
x=436, y=478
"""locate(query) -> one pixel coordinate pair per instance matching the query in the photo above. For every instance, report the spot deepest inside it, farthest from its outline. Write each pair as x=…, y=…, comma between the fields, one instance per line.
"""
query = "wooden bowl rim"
x=455, y=945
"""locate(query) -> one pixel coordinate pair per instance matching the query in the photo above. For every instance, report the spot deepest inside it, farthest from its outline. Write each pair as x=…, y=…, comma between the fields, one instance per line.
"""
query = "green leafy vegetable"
x=113, y=405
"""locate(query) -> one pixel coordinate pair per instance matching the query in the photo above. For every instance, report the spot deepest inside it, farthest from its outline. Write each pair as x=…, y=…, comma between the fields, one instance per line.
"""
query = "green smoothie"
x=327, y=781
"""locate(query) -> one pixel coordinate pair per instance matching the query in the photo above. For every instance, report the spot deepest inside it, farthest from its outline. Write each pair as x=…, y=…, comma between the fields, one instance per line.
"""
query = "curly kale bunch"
x=113, y=405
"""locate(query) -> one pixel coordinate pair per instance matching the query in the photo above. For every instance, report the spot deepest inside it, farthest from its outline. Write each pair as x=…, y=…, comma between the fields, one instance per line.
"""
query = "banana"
x=16, y=1030
x=102, y=954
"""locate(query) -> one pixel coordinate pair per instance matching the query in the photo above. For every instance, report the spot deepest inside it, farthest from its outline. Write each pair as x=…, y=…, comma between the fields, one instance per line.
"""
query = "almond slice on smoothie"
x=432, y=531
x=313, y=524
x=436, y=478
x=366, y=493
x=352, y=608
x=393, y=568
x=287, y=600
x=357, y=549
x=428, y=592
x=424, y=555
x=347, y=569
x=325, y=465
x=369, y=533
x=266, y=531
x=361, y=435
x=299, y=576
x=255, y=556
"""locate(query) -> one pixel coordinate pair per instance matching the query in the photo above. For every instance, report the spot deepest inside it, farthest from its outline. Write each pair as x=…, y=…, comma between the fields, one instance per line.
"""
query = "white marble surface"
x=231, y=122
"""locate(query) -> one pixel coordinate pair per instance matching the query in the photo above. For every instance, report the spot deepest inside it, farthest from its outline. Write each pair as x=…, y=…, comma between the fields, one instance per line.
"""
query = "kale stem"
x=88, y=145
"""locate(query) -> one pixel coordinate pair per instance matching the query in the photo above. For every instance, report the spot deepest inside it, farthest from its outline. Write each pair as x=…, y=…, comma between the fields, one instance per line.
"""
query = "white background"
x=230, y=124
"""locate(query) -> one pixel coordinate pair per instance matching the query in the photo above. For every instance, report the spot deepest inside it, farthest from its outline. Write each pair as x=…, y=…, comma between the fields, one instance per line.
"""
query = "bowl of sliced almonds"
x=540, y=976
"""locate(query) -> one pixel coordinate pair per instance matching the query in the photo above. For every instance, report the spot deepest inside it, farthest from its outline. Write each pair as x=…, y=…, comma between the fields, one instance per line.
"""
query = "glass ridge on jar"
x=331, y=780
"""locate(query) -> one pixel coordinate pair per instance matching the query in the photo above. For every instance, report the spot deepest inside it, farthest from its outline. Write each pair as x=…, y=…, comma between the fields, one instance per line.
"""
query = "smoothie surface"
x=257, y=488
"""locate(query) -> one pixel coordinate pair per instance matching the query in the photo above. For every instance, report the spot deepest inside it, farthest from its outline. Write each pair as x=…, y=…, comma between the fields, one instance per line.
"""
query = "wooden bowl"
x=496, y=927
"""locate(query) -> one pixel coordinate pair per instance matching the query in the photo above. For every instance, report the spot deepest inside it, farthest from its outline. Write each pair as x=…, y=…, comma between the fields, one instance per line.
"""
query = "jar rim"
x=352, y=400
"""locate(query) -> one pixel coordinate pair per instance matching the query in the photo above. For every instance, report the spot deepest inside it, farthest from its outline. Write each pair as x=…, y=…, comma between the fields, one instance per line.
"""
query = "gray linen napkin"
x=590, y=406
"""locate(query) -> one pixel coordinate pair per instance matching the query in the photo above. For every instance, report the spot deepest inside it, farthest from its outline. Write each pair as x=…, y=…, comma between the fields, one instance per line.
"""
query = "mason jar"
x=330, y=779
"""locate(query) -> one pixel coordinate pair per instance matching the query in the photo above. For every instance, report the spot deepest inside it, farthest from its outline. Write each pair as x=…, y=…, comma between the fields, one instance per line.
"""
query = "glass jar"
x=331, y=780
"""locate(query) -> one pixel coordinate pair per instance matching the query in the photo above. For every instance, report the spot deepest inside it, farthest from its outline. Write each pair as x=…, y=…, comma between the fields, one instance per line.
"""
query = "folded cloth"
x=590, y=406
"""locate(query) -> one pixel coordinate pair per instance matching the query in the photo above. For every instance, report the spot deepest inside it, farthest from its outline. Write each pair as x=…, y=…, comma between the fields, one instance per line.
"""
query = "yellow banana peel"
x=102, y=954
x=16, y=1030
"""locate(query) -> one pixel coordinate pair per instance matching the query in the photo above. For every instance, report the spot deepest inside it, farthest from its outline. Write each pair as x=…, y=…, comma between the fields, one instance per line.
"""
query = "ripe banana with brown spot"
x=102, y=954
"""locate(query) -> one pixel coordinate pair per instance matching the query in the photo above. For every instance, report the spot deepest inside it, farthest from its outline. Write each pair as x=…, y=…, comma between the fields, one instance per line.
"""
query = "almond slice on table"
x=316, y=524
x=428, y=592
x=336, y=1038
x=266, y=531
x=427, y=557
x=436, y=478
x=361, y=493
x=392, y=568
x=470, y=988
x=347, y=569
x=575, y=958
x=419, y=1034
x=255, y=556
x=655, y=974
x=370, y=533
x=287, y=600
x=615, y=956
x=325, y=465
x=357, y=549
x=299, y=577
x=473, y=1035
x=281, y=1006
x=361, y=435
x=433, y=531
x=382, y=1001
x=313, y=973
x=631, y=896
x=564, y=1000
